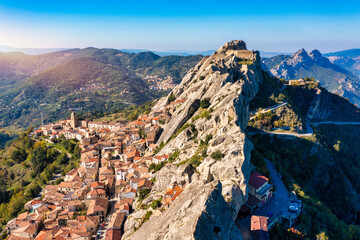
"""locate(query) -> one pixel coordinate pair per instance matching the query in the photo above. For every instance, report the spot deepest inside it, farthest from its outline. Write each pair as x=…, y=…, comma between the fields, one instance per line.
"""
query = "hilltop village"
x=93, y=200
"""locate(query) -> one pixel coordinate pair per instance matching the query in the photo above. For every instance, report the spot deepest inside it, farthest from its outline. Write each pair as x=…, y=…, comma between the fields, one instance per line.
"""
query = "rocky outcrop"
x=200, y=212
x=213, y=141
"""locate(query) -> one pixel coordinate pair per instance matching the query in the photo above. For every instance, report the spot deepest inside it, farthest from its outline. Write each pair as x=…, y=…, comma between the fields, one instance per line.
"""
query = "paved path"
x=268, y=109
x=309, y=130
x=277, y=205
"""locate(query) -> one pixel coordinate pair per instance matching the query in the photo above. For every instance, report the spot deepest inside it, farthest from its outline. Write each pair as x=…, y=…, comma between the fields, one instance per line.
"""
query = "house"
x=44, y=235
x=70, y=175
x=113, y=234
x=260, y=187
x=259, y=228
x=152, y=147
x=97, y=185
x=121, y=174
x=117, y=221
x=65, y=187
x=96, y=193
x=26, y=230
x=98, y=207
x=124, y=208
x=260, y=192
x=130, y=193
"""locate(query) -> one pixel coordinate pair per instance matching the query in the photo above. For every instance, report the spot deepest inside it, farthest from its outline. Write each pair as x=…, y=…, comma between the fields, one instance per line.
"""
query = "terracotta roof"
x=257, y=180
x=97, y=185
x=259, y=228
x=169, y=191
x=117, y=220
x=99, y=204
x=113, y=234
x=72, y=172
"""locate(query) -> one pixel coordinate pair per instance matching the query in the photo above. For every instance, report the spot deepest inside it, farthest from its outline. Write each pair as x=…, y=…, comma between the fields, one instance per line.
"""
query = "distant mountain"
x=193, y=52
x=171, y=52
x=269, y=63
x=86, y=80
x=31, y=51
x=347, y=59
x=351, y=53
x=302, y=64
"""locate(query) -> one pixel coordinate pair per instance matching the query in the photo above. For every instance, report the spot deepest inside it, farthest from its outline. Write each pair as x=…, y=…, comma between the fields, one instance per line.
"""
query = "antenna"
x=42, y=120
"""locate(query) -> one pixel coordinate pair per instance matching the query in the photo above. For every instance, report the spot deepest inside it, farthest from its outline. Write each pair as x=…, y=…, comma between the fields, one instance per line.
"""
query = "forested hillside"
x=27, y=165
x=83, y=80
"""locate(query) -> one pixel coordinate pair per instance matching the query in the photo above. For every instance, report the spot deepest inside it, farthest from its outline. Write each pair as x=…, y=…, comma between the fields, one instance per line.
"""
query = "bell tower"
x=73, y=121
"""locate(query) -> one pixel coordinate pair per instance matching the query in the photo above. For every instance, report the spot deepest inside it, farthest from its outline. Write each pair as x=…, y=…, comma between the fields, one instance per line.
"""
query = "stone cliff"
x=213, y=163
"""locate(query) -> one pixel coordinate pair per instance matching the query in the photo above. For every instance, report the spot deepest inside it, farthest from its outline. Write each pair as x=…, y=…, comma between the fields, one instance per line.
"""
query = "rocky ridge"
x=214, y=187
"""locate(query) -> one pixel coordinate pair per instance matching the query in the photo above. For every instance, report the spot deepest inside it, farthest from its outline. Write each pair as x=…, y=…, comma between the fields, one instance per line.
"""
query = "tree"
x=205, y=103
x=18, y=155
x=171, y=98
x=63, y=158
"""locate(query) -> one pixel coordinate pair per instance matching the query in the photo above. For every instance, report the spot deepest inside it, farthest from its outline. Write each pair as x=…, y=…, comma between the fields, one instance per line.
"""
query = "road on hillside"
x=309, y=130
x=277, y=205
x=269, y=109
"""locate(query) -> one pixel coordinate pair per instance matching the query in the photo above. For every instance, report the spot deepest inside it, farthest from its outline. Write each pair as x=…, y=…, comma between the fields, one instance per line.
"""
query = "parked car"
x=293, y=208
x=99, y=232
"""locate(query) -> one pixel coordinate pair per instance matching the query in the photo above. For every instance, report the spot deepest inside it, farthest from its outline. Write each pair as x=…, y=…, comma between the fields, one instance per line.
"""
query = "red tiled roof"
x=259, y=223
x=257, y=180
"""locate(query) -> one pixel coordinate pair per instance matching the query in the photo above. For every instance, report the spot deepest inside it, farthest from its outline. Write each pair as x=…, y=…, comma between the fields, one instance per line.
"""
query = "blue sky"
x=191, y=25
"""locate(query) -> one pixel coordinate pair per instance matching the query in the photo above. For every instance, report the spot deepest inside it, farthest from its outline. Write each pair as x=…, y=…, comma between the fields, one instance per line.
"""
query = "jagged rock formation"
x=216, y=189
x=302, y=64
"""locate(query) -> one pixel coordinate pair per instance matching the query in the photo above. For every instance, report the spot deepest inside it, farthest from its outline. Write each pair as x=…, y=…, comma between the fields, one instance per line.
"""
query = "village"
x=93, y=200
x=159, y=83
x=116, y=168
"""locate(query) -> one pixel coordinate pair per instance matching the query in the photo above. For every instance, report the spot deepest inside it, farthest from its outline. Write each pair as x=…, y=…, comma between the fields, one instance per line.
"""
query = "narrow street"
x=112, y=202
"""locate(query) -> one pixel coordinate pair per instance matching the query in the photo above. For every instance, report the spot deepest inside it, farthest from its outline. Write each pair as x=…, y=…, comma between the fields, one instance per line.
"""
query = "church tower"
x=73, y=121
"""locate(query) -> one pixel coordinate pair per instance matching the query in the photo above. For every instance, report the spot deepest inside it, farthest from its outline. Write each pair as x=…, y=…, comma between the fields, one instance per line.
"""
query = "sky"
x=275, y=26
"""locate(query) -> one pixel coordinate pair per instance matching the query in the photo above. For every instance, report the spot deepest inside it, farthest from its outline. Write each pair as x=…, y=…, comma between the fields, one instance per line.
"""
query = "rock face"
x=199, y=213
x=217, y=188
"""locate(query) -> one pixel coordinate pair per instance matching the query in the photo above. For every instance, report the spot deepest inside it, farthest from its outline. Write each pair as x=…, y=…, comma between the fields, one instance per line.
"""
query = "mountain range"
x=36, y=51
x=314, y=65
x=83, y=79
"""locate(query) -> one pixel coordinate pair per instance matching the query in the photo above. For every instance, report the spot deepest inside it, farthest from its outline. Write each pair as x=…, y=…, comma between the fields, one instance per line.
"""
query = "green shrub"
x=171, y=98
x=147, y=216
x=217, y=155
x=201, y=77
x=205, y=103
x=143, y=193
x=174, y=155
x=156, y=204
